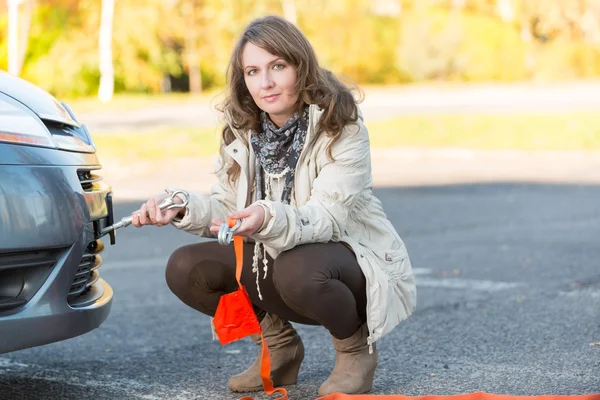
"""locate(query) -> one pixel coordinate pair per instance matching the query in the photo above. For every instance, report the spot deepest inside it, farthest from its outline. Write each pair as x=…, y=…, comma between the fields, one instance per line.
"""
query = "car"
x=53, y=208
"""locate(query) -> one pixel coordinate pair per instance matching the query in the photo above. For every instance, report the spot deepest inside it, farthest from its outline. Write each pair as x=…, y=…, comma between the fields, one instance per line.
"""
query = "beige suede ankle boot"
x=287, y=352
x=354, y=366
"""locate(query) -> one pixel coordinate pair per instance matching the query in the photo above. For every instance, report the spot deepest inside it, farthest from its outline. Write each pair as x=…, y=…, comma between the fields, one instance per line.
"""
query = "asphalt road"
x=509, y=302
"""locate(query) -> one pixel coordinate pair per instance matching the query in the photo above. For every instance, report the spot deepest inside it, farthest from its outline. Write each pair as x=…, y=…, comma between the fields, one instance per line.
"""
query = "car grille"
x=87, y=177
x=81, y=291
x=22, y=274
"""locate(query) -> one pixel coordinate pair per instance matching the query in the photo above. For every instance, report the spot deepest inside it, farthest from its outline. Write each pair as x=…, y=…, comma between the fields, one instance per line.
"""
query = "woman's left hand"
x=253, y=218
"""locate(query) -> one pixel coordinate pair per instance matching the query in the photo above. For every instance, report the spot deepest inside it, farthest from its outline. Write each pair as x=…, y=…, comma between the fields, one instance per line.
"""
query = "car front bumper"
x=50, y=219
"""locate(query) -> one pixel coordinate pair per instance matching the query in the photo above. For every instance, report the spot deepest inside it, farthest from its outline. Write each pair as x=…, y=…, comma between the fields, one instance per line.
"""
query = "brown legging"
x=314, y=284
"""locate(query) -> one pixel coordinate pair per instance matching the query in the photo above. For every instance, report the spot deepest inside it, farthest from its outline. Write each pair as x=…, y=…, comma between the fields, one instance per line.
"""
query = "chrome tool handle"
x=167, y=203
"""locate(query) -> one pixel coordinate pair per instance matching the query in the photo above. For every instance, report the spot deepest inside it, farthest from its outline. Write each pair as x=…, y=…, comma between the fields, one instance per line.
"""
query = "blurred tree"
x=443, y=42
x=429, y=44
x=289, y=10
x=360, y=44
x=185, y=45
x=505, y=10
x=390, y=8
x=199, y=30
x=107, y=72
x=458, y=4
x=192, y=10
x=571, y=19
x=563, y=37
x=141, y=38
x=13, y=36
x=19, y=24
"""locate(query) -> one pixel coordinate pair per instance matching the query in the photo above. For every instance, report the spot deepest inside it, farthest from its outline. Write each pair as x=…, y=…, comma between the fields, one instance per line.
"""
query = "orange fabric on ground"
x=468, y=396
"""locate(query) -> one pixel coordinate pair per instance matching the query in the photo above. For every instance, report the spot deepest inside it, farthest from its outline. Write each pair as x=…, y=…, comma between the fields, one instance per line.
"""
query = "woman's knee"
x=178, y=269
x=201, y=268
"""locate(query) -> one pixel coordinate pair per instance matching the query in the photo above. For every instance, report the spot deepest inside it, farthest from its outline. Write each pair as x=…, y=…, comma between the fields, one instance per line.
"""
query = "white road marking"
x=595, y=294
x=422, y=271
x=460, y=283
x=470, y=284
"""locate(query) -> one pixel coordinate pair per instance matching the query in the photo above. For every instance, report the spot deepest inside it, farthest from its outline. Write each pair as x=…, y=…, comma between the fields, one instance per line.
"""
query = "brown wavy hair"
x=315, y=85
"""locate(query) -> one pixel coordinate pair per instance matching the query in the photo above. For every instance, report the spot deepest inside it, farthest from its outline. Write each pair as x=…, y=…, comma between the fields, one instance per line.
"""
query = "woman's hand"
x=150, y=214
x=253, y=218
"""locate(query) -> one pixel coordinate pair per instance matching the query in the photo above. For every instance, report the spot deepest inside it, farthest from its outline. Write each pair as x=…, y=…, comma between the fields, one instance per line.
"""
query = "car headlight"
x=20, y=125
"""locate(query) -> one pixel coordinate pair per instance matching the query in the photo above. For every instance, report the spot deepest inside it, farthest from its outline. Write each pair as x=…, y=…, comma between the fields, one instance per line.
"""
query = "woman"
x=295, y=167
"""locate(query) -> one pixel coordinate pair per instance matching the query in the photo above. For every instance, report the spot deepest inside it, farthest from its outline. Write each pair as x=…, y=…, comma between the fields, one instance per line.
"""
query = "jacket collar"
x=239, y=148
x=234, y=149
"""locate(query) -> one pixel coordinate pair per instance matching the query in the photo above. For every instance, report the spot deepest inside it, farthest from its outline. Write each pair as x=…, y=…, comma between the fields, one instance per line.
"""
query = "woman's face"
x=271, y=81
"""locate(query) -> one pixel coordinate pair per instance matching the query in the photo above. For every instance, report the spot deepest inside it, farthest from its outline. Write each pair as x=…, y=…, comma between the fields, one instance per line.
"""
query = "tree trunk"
x=107, y=73
x=590, y=22
x=289, y=11
x=388, y=8
x=194, y=72
x=191, y=49
x=13, y=37
x=458, y=4
x=527, y=38
x=24, y=32
x=506, y=10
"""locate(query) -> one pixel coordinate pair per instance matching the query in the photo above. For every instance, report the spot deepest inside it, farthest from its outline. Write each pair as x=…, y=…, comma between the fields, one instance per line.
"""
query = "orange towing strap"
x=235, y=319
x=468, y=396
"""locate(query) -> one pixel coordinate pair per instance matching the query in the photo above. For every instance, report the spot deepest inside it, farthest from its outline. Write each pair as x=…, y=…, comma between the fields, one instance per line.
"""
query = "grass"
x=563, y=131
x=162, y=144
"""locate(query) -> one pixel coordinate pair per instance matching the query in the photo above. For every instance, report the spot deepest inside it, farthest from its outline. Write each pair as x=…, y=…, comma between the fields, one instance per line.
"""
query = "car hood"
x=40, y=102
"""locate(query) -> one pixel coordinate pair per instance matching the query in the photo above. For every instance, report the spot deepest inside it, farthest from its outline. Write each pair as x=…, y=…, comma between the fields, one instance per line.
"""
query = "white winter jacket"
x=332, y=202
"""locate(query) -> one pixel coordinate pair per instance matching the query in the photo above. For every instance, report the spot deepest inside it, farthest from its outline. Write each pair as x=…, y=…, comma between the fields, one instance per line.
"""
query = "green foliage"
x=155, y=41
x=429, y=45
x=493, y=51
x=441, y=45
x=3, y=41
x=69, y=68
x=357, y=45
x=567, y=59
x=47, y=26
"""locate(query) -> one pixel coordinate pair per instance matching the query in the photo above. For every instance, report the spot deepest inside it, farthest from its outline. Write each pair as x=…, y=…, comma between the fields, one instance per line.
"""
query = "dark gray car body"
x=53, y=205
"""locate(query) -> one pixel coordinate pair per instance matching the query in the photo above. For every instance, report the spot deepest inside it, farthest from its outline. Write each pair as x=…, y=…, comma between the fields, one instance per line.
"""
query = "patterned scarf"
x=277, y=151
